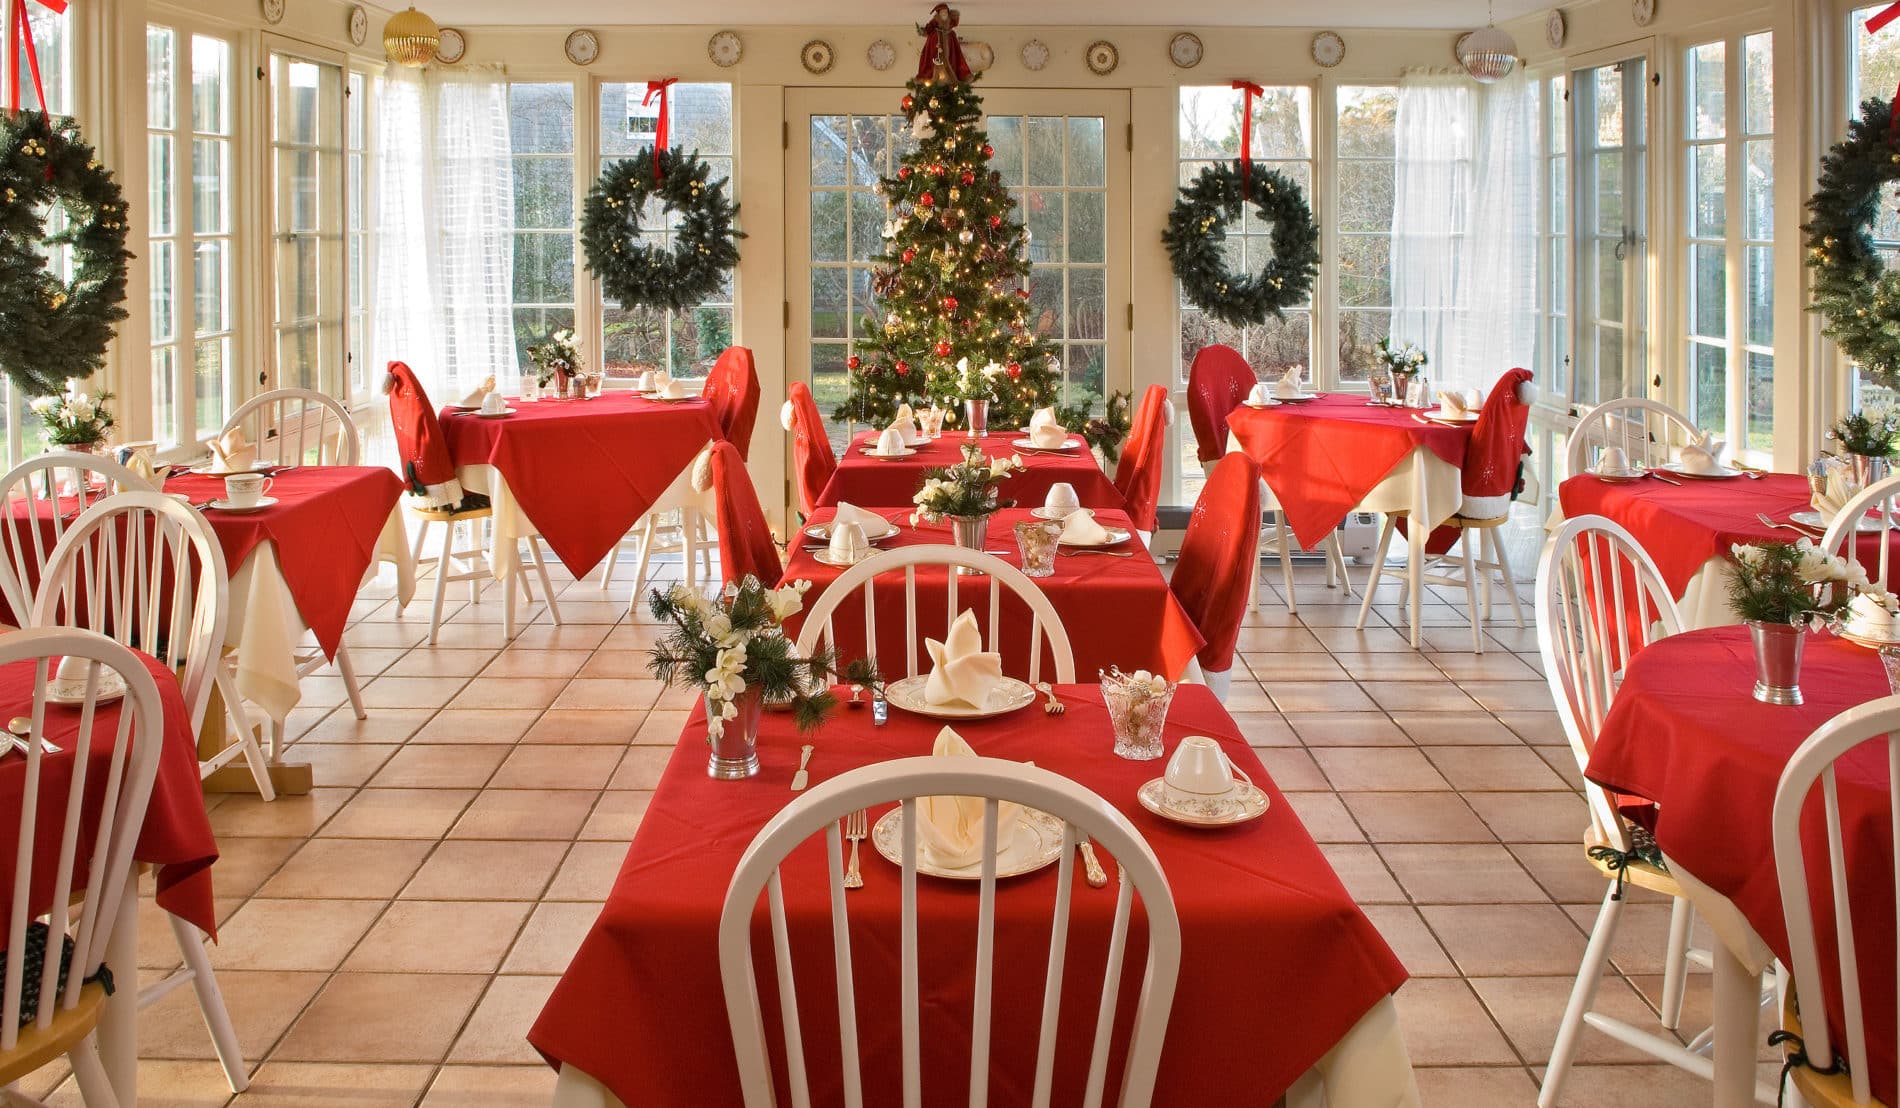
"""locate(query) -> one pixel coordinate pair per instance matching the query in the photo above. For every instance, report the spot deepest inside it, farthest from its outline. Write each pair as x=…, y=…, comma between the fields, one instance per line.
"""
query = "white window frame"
x=579, y=183
x=1333, y=239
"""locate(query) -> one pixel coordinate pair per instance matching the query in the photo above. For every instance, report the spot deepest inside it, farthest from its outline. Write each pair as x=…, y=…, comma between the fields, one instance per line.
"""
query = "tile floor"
x=387, y=940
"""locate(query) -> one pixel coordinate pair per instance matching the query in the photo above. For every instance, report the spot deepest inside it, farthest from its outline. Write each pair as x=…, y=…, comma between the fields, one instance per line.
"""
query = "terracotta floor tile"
x=1460, y=873
x=1502, y=940
x=342, y=764
x=292, y=934
x=1510, y=696
x=547, y=944
x=617, y=816
x=1544, y=817
x=384, y=725
x=1494, y=768
x=1294, y=667
x=1420, y=696
x=1265, y=729
x=400, y=813
x=574, y=636
x=1563, y=870
x=1377, y=768
x=1317, y=729
x=524, y=814
x=1325, y=817
x=163, y=1084
x=507, y=692
x=1319, y=696
x=1649, y=1086
x=1445, y=1024
x=491, y=1086
x=1363, y=873
x=1642, y=933
x=662, y=727
x=345, y=868
x=1435, y=817
x=588, y=872
x=441, y=662
x=497, y=1032
x=242, y=815
x=439, y=936
x=563, y=727
x=1475, y=1087
x=384, y=1017
x=519, y=661
x=245, y=863
x=1291, y=768
x=498, y=726
x=262, y=1004
x=411, y=692
x=558, y=767
x=641, y=767
x=1492, y=666
x=486, y=870
x=439, y=767
x=1411, y=940
x=1455, y=729
x=1530, y=1008
x=1374, y=667
x=617, y=665
x=1536, y=728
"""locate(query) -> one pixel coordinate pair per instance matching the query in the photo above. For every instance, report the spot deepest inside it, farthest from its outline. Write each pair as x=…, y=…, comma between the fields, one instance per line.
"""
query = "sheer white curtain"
x=1464, y=261
x=445, y=251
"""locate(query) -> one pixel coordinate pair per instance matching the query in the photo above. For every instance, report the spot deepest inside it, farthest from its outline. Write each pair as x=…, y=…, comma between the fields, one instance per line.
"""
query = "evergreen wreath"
x=642, y=275
x=1197, y=232
x=52, y=329
x=1857, y=296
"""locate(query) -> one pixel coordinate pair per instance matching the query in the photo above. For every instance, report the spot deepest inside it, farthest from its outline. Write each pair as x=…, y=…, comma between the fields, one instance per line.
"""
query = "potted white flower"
x=73, y=420
x=1781, y=590
x=967, y=494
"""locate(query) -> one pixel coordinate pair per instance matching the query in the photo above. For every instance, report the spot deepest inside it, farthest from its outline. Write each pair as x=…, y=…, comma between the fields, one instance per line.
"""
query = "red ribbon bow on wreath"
x=654, y=88
x=1881, y=19
x=22, y=44
x=1246, y=135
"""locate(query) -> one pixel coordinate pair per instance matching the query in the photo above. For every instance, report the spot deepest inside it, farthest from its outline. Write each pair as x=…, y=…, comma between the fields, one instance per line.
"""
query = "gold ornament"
x=411, y=38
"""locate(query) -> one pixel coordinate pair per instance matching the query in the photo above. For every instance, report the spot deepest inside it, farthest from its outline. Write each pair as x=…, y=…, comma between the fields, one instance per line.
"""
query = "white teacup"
x=1261, y=394
x=848, y=543
x=1613, y=461
x=890, y=443
x=72, y=668
x=494, y=403
x=244, y=490
x=1062, y=499
x=1199, y=772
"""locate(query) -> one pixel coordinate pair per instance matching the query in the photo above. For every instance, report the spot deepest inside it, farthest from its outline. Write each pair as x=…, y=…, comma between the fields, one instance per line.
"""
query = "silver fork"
x=1093, y=550
x=1796, y=528
x=855, y=829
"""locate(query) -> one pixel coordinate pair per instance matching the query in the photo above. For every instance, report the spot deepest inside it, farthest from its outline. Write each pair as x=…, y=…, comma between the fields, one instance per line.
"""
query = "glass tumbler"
x=1037, y=544
x=1137, y=710
x=1890, y=661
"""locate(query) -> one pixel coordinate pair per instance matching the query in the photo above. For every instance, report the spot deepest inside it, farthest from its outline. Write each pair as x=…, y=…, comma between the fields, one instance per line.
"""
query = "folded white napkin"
x=1261, y=393
x=962, y=671
x=1049, y=436
x=950, y=828
x=673, y=389
x=870, y=522
x=232, y=450
x=1869, y=615
x=1080, y=527
x=1836, y=489
x=1457, y=402
x=479, y=393
x=905, y=426
x=1289, y=382
x=1695, y=459
x=1041, y=417
x=890, y=441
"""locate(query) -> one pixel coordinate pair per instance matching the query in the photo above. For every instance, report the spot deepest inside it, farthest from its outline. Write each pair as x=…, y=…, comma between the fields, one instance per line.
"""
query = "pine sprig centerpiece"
x=969, y=489
x=1791, y=583
x=952, y=284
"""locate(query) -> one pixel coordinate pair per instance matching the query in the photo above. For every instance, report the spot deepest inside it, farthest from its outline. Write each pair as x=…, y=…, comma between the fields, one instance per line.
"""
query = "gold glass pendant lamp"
x=411, y=38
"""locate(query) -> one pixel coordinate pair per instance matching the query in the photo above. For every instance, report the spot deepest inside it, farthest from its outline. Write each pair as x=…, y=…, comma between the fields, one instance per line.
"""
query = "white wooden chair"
x=1838, y=539
x=1599, y=600
x=689, y=499
x=69, y=1008
x=474, y=567
x=1477, y=571
x=1045, y=625
x=298, y=427
x=904, y=780
x=117, y=563
x=1649, y=432
x=35, y=488
x=1814, y=762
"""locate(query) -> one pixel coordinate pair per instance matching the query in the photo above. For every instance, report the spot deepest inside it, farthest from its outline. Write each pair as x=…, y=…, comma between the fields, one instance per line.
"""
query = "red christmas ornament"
x=906, y=103
x=908, y=256
x=1015, y=371
x=853, y=361
x=927, y=200
x=903, y=173
x=968, y=178
x=989, y=151
x=995, y=222
x=1023, y=292
x=903, y=369
x=937, y=169
x=943, y=348
x=949, y=303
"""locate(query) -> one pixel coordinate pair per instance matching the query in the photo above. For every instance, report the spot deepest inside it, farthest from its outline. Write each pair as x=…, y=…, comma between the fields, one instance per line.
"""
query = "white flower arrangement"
x=73, y=418
x=559, y=355
x=1401, y=357
x=1793, y=583
x=972, y=487
x=977, y=383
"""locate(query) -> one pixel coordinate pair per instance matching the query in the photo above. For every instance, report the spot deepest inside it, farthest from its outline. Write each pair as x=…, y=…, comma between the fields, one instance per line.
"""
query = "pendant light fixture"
x=411, y=38
x=1489, y=54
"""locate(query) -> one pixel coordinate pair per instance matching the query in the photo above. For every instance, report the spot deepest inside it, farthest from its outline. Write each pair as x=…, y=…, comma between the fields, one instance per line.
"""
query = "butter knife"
x=1092, y=871
x=802, y=777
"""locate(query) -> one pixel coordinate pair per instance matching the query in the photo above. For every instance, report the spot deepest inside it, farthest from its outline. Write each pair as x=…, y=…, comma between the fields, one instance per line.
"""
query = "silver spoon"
x=21, y=727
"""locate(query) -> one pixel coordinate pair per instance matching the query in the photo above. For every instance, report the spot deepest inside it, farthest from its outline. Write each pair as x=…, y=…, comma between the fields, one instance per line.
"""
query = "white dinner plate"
x=503, y=414
x=1873, y=642
x=1439, y=415
x=1622, y=477
x=1026, y=443
x=907, y=452
x=1246, y=802
x=1303, y=398
x=822, y=531
x=71, y=692
x=1051, y=514
x=1868, y=524
x=1116, y=536
x=673, y=399
x=1260, y=403
x=223, y=505
x=824, y=558
x=1722, y=473
x=1037, y=841
x=1008, y=696
x=254, y=467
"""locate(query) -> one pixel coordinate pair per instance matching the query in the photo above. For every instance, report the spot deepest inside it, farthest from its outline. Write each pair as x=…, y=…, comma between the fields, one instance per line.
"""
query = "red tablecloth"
x=1277, y=961
x=584, y=471
x=1118, y=611
x=1685, y=733
x=1683, y=526
x=177, y=833
x=888, y=482
x=1321, y=458
x=323, y=528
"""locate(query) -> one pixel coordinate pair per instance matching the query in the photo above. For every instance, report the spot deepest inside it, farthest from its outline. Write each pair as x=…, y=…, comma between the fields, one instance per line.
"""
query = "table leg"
x=1737, y=1019
x=1416, y=531
x=508, y=605
x=118, y=1033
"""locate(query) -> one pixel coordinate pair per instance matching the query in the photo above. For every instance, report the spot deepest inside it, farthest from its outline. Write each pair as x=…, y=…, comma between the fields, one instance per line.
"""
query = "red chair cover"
x=733, y=388
x=1218, y=381
x=1494, y=455
x=419, y=444
x=813, y=463
x=1217, y=558
x=1138, y=473
x=745, y=539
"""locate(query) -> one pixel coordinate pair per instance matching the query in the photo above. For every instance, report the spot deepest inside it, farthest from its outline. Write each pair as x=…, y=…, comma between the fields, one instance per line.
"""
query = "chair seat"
x=1820, y=1090
x=1644, y=875
x=450, y=515
x=39, y=1046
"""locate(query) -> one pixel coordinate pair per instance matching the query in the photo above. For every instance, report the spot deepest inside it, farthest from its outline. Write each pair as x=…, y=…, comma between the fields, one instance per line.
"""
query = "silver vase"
x=970, y=533
x=977, y=412
x=734, y=755
x=1867, y=468
x=1777, y=661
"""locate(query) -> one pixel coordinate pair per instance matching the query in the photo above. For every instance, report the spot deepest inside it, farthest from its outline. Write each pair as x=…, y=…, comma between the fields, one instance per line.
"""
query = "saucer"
x=503, y=414
x=1303, y=398
x=1007, y=696
x=1243, y=803
x=1036, y=842
x=254, y=467
x=1872, y=642
x=1268, y=403
x=1048, y=513
x=1439, y=415
x=822, y=532
x=71, y=692
x=1620, y=477
x=825, y=558
x=1116, y=535
x=658, y=399
x=223, y=505
x=908, y=451
x=1720, y=473
x=1026, y=443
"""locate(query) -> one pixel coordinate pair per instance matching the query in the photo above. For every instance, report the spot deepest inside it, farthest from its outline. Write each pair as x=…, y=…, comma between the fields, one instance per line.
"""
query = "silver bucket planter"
x=1777, y=661
x=734, y=755
x=970, y=533
x=978, y=414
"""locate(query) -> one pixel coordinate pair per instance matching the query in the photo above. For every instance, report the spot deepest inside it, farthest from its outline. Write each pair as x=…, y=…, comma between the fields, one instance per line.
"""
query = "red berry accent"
x=903, y=173
x=927, y=200
x=903, y=369
x=996, y=221
x=906, y=103
x=968, y=178
x=989, y=151
x=936, y=169
x=943, y=349
x=949, y=303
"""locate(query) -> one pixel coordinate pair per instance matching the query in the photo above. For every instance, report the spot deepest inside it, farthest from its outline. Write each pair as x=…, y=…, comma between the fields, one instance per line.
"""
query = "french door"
x=307, y=162
x=1064, y=157
x=1610, y=127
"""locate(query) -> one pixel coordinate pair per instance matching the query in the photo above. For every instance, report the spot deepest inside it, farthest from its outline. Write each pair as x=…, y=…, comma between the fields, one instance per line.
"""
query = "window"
x=357, y=222
x=307, y=157
x=189, y=139
x=1209, y=131
x=1366, y=125
x=1728, y=255
x=1875, y=60
x=1553, y=332
x=541, y=138
x=683, y=343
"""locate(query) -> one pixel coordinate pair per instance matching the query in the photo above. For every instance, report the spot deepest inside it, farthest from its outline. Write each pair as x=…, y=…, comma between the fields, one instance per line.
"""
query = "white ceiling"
x=980, y=13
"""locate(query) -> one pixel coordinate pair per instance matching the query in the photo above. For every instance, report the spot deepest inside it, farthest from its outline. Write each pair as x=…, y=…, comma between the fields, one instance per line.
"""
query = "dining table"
x=1686, y=733
x=1114, y=603
x=1688, y=525
x=869, y=480
x=175, y=838
x=1284, y=985
x=579, y=473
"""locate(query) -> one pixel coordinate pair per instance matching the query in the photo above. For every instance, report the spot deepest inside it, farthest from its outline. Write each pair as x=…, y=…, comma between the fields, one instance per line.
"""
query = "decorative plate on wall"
x=1554, y=29
x=725, y=49
x=1035, y=54
x=452, y=47
x=359, y=25
x=273, y=10
x=882, y=55
x=1329, y=49
x=583, y=47
x=979, y=55
x=1185, y=50
x=817, y=56
x=1642, y=11
x=1102, y=57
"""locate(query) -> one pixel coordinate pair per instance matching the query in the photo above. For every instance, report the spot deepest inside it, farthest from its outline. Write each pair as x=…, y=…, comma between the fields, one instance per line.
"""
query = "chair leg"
x=607, y=570
x=1336, y=557
x=1378, y=571
x=646, y=555
x=211, y=1003
x=1675, y=980
x=1220, y=684
x=1510, y=579
x=541, y=571
x=689, y=541
x=415, y=552
x=441, y=581
x=509, y=588
x=1285, y=538
x=246, y=734
x=348, y=669
x=1471, y=593
x=95, y=1088
x=1582, y=995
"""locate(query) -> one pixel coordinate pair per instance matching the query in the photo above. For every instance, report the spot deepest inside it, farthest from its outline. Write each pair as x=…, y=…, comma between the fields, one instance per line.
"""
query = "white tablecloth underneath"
x=1369, y=1068
x=1704, y=602
x=265, y=627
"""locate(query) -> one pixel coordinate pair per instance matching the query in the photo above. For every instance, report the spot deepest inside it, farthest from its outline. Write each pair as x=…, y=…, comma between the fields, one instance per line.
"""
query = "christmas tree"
x=952, y=288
